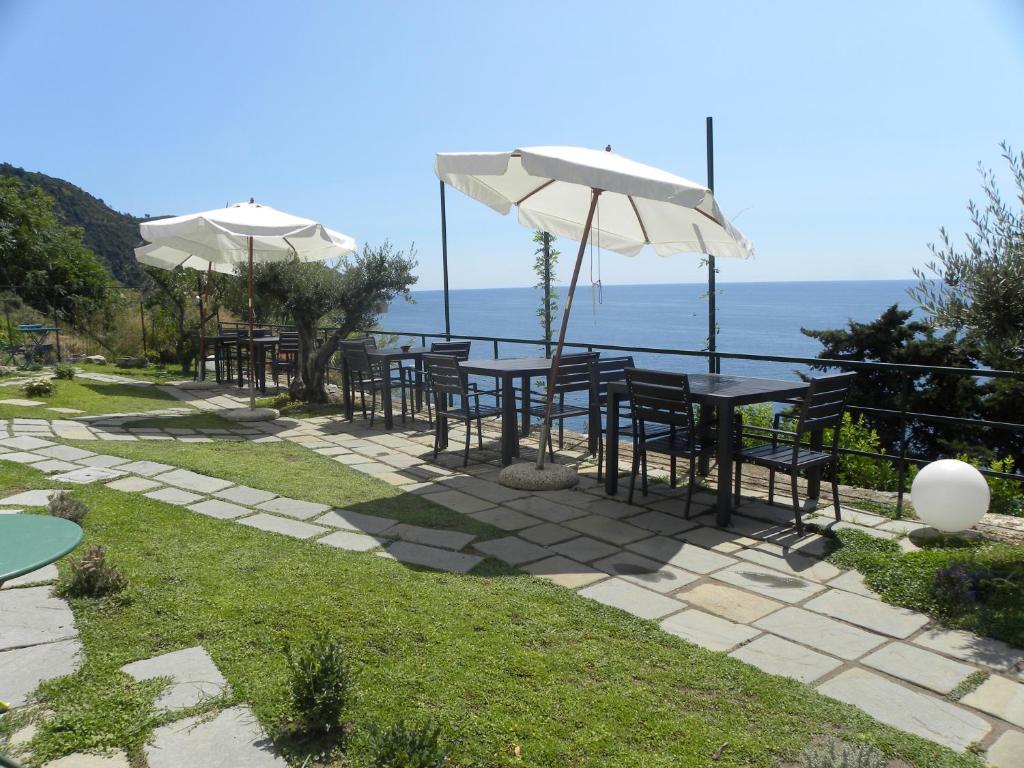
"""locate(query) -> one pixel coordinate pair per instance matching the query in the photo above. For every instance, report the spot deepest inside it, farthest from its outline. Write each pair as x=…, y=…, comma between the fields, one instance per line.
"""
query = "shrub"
x=63, y=505
x=840, y=755
x=38, y=388
x=30, y=367
x=93, y=576
x=1005, y=494
x=61, y=371
x=153, y=357
x=321, y=683
x=403, y=746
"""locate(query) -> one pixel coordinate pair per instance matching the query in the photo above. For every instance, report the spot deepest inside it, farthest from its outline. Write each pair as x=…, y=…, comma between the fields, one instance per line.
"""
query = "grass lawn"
x=289, y=469
x=501, y=663
x=197, y=420
x=93, y=397
x=975, y=585
x=155, y=373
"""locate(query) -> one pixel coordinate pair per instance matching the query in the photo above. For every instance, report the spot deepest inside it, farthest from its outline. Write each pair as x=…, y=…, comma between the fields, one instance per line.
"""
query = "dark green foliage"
x=67, y=507
x=836, y=754
x=38, y=388
x=410, y=746
x=93, y=576
x=66, y=372
x=321, y=683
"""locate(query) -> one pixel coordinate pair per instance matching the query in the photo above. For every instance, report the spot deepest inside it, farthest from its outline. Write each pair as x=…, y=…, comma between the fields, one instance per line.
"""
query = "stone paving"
x=754, y=590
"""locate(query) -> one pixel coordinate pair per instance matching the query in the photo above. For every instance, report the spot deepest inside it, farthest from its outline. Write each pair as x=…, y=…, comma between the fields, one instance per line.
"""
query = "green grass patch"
x=159, y=374
x=93, y=397
x=966, y=584
x=296, y=409
x=502, y=664
x=289, y=469
x=198, y=420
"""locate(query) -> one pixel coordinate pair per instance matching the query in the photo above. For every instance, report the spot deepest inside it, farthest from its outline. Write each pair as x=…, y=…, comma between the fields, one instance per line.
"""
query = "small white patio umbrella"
x=243, y=233
x=573, y=192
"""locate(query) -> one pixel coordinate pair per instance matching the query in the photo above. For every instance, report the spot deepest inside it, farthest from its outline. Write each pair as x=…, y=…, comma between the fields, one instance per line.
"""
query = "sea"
x=758, y=318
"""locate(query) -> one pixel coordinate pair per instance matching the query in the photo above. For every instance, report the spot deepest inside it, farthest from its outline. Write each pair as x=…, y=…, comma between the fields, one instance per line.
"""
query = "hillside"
x=108, y=233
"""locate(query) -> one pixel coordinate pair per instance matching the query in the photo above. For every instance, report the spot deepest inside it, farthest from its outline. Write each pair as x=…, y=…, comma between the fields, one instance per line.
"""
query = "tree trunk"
x=310, y=381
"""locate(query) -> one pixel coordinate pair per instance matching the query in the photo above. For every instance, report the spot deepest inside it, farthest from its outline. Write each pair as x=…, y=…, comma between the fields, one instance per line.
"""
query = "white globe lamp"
x=950, y=495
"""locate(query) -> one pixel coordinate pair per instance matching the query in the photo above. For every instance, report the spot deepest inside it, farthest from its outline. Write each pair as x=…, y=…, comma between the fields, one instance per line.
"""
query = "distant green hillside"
x=111, y=235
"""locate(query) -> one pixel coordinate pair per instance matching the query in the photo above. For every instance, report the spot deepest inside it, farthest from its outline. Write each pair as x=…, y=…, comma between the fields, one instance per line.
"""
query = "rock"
x=250, y=414
x=96, y=359
x=526, y=477
x=131, y=362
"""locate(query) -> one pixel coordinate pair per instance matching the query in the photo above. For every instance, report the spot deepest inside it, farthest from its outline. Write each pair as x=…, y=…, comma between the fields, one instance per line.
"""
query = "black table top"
x=524, y=366
x=396, y=353
x=738, y=389
x=244, y=339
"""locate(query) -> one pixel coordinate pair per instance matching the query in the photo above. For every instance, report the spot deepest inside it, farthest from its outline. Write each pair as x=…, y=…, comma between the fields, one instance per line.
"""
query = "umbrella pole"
x=545, y=432
x=252, y=354
x=203, y=307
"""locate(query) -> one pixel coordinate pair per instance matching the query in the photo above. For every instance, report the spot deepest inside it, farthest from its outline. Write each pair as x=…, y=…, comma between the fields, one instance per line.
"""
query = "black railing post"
x=902, y=473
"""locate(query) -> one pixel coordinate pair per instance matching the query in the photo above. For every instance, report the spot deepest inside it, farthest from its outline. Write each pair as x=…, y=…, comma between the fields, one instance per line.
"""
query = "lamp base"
x=526, y=477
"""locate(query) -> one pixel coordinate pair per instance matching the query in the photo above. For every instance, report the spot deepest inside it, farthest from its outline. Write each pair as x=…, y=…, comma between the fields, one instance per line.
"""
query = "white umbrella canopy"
x=575, y=192
x=165, y=257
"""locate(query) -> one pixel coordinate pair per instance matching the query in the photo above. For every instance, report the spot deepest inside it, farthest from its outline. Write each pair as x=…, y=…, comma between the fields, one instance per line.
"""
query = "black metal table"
x=385, y=357
x=723, y=394
x=260, y=344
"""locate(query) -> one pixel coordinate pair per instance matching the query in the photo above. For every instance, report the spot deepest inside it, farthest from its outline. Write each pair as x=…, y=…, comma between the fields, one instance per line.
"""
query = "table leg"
x=526, y=406
x=346, y=389
x=238, y=348
x=418, y=389
x=509, y=425
x=594, y=425
x=611, y=449
x=389, y=415
x=704, y=432
x=725, y=450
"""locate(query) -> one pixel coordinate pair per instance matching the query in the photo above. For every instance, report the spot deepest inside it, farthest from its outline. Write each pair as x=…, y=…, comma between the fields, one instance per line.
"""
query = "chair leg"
x=796, y=502
x=643, y=471
x=835, y=490
x=373, y=405
x=469, y=434
x=737, y=474
x=672, y=477
x=691, y=486
x=561, y=424
x=771, y=486
x=600, y=459
x=632, y=474
x=479, y=433
x=437, y=438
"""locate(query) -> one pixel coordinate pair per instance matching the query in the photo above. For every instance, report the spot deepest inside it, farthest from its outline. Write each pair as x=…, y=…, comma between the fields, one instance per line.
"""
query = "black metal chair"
x=610, y=369
x=788, y=451
x=576, y=373
x=202, y=365
x=663, y=399
x=455, y=399
x=365, y=374
x=286, y=358
x=417, y=379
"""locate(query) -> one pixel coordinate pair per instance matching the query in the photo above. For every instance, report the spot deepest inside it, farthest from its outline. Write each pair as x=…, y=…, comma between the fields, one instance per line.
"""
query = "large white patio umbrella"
x=243, y=233
x=574, y=192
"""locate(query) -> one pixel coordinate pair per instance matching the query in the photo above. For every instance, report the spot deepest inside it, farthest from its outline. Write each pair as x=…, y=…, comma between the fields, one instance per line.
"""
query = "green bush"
x=64, y=506
x=65, y=372
x=1006, y=498
x=321, y=683
x=38, y=388
x=93, y=576
x=839, y=755
x=417, y=746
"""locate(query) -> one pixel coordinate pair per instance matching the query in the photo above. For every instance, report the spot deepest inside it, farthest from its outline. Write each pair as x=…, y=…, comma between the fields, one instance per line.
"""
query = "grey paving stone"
x=484, y=489
x=356, y=521
x=356, y=542
x=918, y=666
x=707, y=630
x=547, y=509
x=173, y=496
x=222, y=510
x=584, y=549
x=1007, y=751
x=645, y=572
x=33, y=615
x=659, y=522
x=242, y=494
x=23, y=669
x=512, y=550
x=787, y=561
x=102, y=460
x=831, y=524
x=870, y=614
x=548, y=533
x=776, y=656
x=432, y=537
x=918, y=713
x=820, y=632
x=54, y=465
x=768, y=582
x=506, y=519
x=967, y=646
x=999, y=696
x=192, y=481
x=607, y=529
x=282, y=525
x=614, y=509
x=28, y=499
x=115, y=759
x=728, y=602
x=458, y=501
x=21, y=457
x=39, y=576
x=147, y=468
x=25, y=443
x=194, y=677
x=628, y=597
x=233, y=738
x=300, y=510
x=564, y=572
x=86, y=475
x=133, y=484
x=681, y=554
x=853, y=581
x=65, y=453
x=431, y=557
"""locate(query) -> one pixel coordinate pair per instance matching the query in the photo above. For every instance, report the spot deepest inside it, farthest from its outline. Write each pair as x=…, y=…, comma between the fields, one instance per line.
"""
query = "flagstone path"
x=754, y=590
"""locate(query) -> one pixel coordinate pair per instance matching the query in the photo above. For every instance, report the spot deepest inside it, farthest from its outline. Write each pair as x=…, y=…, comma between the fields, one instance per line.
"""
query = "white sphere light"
x=950, y=495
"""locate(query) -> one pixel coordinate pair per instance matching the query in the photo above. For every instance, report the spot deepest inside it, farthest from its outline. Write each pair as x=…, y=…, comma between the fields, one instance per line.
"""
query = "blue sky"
x=845, y=133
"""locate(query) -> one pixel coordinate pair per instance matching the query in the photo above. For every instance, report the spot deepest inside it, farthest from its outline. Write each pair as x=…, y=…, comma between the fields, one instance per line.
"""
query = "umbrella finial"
x=252, y=200
x=608, y=148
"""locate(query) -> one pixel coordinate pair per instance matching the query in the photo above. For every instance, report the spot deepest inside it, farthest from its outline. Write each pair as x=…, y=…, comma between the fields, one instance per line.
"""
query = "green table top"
x=28, y=542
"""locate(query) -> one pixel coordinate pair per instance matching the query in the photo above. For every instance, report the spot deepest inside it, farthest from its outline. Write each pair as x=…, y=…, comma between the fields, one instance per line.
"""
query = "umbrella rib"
x=639, y=221
x=547, y=183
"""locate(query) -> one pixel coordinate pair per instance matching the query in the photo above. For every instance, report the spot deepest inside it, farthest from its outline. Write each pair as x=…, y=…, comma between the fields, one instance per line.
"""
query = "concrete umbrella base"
x=526, y=477
x=250, y=414
x=206, y=384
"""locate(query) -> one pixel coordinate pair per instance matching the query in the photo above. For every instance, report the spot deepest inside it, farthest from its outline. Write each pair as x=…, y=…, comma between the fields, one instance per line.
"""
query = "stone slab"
x=192, y=481
x=564, y=572
x=194, y=677
x=28, y=499
x=300, y=510
x=103, y=460
x=431, y=537
x=173, y=496
x=222, y=510
x=728, y=602
x=33, y=615
x=918, y=713
x=457, y=501
x=768, y=582
x=512, y=550
x=66, y=453
x=484, y=489
x=707, y=630
x=21, y=402
x=821, y=632
x=870, y=614
x=1007, y=751
x=548, y=533
x=967, y=646
x=607, y=529
x=23, y=669
x=87, y=475
x=645, y=572
x=1001, y=697
x=115, y=759
x=233, y=738
x=431, y=557
x=275, y=524
x=133, y=484
x=356, y=542
x=584, y=549
x=21, y=457
x=681, y=554
x=776, y=656
x=39, y=576
x=794, y=563
x=54, y=465
x=659, y=522
x=918, y=666
x=25, y=443
x=853, y=581
x=628, y=597
x=355, y=521
x=547, y=509
x=506, y=519
x=717, y=539
x=613, y=508
x=243, y=494
x=147, y=468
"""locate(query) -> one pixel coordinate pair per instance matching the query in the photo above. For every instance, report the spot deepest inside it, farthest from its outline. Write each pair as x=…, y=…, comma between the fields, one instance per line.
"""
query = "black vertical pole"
x=714, y=366
x=547, y=294
x=142, y=321
x=444, y=262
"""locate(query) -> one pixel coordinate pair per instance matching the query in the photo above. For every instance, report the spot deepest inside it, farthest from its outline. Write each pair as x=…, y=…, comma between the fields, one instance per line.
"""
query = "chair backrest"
x=460, y=349
x=577, y=373
x=288, y=342
x=355, y=356
x=824, y=404
x=659, y=397
x=611, y=369
x=446, y=377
